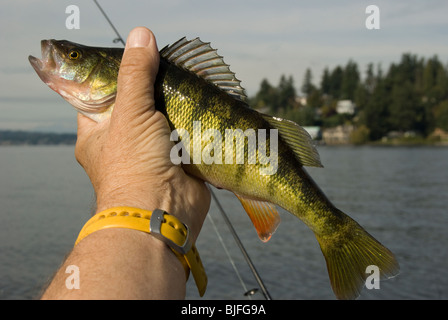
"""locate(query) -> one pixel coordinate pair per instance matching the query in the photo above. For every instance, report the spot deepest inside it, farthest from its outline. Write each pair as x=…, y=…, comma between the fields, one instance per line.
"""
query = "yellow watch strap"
x=161, y=225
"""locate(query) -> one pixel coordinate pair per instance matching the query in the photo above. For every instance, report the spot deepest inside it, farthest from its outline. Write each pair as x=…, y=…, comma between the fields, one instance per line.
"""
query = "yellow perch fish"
x=226, y=143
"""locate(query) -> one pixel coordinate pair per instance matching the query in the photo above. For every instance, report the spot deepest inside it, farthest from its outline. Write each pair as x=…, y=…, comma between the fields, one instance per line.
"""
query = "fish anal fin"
x=263, y=215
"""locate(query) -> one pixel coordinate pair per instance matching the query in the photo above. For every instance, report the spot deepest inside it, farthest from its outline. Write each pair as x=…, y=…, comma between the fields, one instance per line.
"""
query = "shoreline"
x=29, y=138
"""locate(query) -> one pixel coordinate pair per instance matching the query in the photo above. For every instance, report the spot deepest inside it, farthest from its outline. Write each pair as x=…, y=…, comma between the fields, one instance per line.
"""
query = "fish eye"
x=74, y=54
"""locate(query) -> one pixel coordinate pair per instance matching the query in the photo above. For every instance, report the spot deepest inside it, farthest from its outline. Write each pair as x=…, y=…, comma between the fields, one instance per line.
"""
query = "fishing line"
x=224, y=215
x=243, y=250
x=119, y=39
x=209, y=216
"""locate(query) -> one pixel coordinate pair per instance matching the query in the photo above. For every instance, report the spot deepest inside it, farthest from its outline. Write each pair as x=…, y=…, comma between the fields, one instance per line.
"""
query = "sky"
x=258, y=39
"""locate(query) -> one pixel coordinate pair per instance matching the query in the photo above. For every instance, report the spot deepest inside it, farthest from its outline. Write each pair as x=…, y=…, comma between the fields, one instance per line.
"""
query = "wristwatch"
x=162, y=226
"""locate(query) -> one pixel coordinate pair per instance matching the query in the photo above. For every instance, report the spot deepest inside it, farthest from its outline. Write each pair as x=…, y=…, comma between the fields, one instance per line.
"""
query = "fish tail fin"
x=348, y=253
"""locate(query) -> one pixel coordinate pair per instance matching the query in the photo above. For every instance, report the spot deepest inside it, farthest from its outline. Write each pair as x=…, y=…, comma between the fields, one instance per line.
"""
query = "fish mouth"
x=44, y=66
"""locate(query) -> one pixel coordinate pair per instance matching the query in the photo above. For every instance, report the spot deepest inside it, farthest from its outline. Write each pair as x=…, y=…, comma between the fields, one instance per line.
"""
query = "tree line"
x=412, y=96
x=11, y=137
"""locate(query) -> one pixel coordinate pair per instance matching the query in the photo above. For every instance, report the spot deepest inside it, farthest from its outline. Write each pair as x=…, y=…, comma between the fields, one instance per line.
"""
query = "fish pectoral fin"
x=297, y=138
x=263, y=215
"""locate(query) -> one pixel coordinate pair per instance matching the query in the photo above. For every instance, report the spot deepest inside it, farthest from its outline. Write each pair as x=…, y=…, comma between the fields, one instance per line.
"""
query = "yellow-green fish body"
x=219, y=139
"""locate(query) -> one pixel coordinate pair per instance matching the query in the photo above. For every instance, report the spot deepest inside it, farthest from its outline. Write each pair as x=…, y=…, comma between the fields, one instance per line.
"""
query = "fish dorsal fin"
x=201, y=59
x=298, y=139
x=263, y=215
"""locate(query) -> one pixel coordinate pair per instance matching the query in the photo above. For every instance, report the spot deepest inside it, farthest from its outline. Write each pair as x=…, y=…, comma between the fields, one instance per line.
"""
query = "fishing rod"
x=232, y=263
x=243, y=250
x=224, y=215
x=119, y=39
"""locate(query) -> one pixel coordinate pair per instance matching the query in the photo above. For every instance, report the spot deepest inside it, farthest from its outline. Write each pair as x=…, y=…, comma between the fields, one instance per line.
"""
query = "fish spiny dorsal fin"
x=201, y=59
x=298, y=139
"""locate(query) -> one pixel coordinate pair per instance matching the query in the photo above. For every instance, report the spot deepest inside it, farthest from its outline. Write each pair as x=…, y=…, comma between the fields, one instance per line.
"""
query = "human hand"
x=127, y=157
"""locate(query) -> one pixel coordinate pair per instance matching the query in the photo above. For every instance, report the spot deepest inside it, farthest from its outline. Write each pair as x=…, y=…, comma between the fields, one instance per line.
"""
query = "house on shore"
x=345, y=107
x=337, y=135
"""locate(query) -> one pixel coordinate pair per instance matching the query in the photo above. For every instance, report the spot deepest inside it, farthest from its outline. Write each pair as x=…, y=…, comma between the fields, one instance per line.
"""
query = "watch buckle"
x=155, y=224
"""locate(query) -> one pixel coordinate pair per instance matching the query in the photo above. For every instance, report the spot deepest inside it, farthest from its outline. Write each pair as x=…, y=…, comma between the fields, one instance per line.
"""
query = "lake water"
x=399, y=195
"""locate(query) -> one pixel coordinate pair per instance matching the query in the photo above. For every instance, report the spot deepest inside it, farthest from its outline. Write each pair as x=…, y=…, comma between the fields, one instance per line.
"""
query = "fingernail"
x=138, y=37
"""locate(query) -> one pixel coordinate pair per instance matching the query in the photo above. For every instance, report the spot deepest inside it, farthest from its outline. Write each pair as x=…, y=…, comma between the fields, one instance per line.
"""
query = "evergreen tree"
x=325, y=82
x=442, y=82
x=307, y=86
x=376, y=113
x=350, y=81
x=361, y=96
x=405, y=110
x=314, y=99
x=335, y=82
x=441, y=115
x=286, y=93
x=435, y=81
x=266, y=97
x=305, y=116
x=371, y=80
x=406, y=70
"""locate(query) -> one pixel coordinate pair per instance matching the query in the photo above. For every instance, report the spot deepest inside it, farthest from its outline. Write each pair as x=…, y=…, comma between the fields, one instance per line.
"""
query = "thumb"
x=138, y=71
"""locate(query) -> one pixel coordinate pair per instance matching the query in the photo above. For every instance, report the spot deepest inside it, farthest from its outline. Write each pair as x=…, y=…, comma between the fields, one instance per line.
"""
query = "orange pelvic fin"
x=263, y=215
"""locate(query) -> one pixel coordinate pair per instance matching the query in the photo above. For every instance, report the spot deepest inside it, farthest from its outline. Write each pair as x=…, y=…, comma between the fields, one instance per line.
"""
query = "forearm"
x=121, y=264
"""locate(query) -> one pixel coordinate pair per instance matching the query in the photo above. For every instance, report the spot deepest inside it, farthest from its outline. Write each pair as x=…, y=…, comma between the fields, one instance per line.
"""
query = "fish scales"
x=288, y=188
x=185, y=99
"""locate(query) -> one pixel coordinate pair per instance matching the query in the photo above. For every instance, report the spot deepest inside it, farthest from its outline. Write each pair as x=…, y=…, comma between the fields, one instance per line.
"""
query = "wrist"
x=171, y=190
x=166, y=197
x=169, y=202
x=134, y=193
